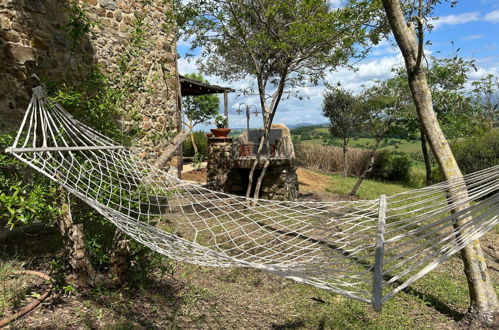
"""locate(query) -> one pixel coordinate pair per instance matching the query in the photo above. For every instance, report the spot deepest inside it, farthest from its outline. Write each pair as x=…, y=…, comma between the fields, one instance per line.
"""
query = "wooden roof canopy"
x=194, y=87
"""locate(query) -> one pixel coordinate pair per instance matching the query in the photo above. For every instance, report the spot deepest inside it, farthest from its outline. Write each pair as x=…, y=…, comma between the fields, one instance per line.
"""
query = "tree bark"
x=191, y=129
x=74, y=242
x=426, y=157
x=483, y=300
x=368, y=169
x=345, y=158
x=120, y=258
x=267, y=125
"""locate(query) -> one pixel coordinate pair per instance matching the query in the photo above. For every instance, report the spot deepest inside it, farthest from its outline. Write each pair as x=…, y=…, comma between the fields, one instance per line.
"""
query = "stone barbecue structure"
x=229, y=165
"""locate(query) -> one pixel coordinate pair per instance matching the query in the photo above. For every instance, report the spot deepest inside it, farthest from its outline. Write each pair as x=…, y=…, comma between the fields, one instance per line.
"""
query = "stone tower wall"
x=34, y=38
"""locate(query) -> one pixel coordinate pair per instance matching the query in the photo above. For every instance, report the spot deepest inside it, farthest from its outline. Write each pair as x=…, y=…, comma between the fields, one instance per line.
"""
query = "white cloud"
x=455, y=19
x=492, y=17
x=472, y=37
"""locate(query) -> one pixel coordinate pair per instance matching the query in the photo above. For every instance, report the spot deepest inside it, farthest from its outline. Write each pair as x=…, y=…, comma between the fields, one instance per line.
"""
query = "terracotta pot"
x=220, y=132
x=245, y=150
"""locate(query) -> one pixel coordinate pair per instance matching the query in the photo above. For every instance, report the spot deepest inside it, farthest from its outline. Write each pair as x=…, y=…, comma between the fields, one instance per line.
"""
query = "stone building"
x=43, y=37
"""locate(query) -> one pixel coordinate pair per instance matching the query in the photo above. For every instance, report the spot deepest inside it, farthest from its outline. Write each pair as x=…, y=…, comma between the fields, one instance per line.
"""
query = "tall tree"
x=381, y=105
x=283, y=45
x=408, y=30
x=487, y=96
x=199, y=109
x=345, y=115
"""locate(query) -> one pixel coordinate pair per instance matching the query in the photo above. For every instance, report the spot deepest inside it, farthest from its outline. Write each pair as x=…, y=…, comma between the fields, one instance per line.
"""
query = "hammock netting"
x=367, y=250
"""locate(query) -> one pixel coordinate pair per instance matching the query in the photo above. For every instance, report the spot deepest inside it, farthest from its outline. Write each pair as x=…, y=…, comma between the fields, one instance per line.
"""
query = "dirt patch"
x=196, y=176
x=311, y=181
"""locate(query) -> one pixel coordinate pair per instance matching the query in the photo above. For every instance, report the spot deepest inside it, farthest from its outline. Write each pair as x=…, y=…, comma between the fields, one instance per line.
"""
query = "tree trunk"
x=483, y=300
x=426, y=157
x=267, y=125
x=74, y=242
x=368, y=169
x=345, y=158
x=193, y=140
x=120, y=258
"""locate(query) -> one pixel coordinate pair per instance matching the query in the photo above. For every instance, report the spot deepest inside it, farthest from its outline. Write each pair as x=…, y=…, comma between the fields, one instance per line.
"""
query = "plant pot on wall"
x=220, y=132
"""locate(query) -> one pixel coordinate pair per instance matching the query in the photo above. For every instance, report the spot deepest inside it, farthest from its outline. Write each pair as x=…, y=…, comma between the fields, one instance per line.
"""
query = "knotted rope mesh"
x=366, y=250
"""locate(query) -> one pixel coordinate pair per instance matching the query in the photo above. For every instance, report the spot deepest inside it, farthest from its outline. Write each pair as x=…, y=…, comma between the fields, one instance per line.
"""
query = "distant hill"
x=307, y=125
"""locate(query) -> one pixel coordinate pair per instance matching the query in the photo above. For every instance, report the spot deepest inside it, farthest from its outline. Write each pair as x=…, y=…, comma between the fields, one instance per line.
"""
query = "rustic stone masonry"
x=220, y=159
x=34, y=38
x=229, y=172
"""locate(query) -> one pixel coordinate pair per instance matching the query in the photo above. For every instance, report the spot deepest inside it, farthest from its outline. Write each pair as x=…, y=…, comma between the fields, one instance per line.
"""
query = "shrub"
x=391, y=167
x=25, y=196
x=477, y=152
x=330, y=159
x=201, y=142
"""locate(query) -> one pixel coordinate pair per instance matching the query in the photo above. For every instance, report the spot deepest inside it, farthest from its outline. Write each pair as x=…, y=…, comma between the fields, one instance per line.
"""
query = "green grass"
x=369, y=189
x=318, y=135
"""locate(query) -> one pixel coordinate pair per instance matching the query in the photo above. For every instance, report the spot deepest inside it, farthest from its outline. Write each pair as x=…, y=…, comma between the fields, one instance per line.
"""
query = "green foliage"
x=97, y=101
x=221, y=121
x=78, y=25
x=199, y=109
x=345, y=114
x=25, y=197
x=477, y=152
x=486, y=93
x=391, y=166
x=58, y=272
x=197, y=161
x=147, y=264
x=201, y=141
x=454, y=106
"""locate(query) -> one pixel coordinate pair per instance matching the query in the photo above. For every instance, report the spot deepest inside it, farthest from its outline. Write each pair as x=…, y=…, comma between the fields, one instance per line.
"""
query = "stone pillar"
x=220, y=160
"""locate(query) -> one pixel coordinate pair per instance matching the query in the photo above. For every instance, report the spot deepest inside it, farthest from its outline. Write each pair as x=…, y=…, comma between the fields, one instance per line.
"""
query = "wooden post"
x=180, y=151
x=379, y=256
x=226, y=104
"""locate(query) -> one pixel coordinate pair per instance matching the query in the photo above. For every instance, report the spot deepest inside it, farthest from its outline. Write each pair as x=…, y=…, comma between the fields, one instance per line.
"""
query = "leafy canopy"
x=291, y=40
x=200, y=109
x=344, y=112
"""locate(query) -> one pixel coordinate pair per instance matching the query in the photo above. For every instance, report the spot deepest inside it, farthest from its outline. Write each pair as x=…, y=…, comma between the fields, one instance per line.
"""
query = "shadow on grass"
x=432, y=300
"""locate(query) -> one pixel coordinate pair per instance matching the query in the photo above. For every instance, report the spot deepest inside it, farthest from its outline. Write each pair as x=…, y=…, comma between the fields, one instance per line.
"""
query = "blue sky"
x=472, y=26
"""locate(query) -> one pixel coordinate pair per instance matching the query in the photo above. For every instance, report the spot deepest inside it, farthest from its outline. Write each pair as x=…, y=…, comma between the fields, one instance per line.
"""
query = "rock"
x=20, y=53
x=9, y=36
x=38, y=43
x=35, y=6
x=60, y=38
x=108, y=4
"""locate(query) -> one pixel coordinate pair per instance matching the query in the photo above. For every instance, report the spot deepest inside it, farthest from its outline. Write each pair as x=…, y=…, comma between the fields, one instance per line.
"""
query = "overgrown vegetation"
x=25, y=197
x=201, y=142
x=477, y=152
x=388, y=166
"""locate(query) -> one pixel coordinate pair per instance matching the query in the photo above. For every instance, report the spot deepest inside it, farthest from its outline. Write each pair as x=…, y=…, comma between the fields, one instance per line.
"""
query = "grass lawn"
x=178, y=295
x=319, y=135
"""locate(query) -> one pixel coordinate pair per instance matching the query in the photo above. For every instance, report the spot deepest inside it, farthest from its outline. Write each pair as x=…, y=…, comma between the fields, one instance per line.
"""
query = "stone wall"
x=220, y=160
x=34, y=38
x=229, y=173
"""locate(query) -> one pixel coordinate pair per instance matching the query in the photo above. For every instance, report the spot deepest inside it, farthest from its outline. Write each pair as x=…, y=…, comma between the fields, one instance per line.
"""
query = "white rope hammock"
x=366, y=250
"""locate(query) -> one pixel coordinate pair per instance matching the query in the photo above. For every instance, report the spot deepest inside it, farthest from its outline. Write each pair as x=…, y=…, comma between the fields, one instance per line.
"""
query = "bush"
x=477, y=152
x=391, y=166
x=330, y=159
x=25, y=196
x=201, y=142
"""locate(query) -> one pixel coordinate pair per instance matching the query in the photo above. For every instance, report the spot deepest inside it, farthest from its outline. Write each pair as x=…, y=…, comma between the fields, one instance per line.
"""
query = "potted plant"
x=221, y=122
